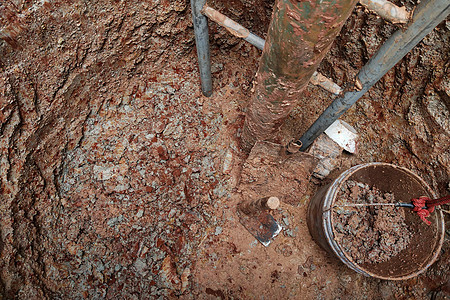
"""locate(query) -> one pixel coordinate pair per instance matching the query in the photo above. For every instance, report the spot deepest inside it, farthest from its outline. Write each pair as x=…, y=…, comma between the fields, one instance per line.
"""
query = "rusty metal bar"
x=427, y=16
x=255, y=206
x=326, y=83
x=12, y=24
x=202, y=42
x=388, y=10
x=233, y=27
x=238, y=30
x=299, y=36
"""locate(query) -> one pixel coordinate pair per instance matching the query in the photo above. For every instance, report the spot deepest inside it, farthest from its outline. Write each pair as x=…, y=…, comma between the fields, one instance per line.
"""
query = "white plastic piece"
x=343, y=134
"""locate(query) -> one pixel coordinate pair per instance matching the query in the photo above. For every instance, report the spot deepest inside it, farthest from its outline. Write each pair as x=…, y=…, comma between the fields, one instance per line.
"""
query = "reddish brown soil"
x=119, y=180
x=369, y=234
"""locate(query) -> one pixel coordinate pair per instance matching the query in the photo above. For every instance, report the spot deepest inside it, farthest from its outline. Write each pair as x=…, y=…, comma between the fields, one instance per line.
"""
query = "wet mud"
x=370, y=234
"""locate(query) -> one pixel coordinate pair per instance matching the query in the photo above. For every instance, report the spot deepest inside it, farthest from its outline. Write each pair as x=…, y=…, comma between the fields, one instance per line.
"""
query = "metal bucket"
x=426, y=242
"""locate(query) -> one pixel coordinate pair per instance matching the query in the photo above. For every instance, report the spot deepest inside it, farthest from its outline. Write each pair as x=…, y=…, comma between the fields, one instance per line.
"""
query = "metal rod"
x=267, y=203
x=427, y=16
x=202, y=42
x=240, y=31
x=233, y=27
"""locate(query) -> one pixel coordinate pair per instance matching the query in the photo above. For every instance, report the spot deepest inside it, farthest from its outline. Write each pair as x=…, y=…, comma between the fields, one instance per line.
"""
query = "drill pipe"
x=299, y=36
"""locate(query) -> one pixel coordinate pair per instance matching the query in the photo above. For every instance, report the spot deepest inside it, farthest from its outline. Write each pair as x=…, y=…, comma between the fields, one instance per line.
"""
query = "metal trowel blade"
x=261, y=225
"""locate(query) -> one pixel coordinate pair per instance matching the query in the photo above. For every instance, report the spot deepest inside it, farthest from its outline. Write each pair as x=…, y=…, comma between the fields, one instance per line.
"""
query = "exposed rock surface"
x=115, y=173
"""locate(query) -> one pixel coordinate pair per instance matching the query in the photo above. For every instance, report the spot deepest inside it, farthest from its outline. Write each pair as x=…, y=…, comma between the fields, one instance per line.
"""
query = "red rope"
x=430, y=204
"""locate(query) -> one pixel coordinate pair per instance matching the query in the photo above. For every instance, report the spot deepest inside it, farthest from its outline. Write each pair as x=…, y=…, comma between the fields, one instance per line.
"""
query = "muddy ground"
x=120, y=180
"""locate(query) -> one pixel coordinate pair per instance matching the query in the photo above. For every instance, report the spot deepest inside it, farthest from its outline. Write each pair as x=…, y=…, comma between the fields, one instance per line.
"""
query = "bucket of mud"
x=381, y=241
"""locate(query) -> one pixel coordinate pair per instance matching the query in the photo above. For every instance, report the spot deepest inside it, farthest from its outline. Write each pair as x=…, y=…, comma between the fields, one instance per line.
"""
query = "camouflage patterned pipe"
x=299, y=36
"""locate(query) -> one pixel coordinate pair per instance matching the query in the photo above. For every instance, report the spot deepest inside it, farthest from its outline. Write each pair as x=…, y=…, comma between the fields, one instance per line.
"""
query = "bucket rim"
x=327, y=223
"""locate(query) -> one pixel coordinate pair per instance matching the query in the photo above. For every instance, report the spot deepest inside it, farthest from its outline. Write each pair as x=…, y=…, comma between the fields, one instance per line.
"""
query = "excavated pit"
x=120, y=180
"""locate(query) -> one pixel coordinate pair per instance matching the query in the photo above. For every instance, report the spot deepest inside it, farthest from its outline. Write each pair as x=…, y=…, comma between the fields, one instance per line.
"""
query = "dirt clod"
x=369, y=234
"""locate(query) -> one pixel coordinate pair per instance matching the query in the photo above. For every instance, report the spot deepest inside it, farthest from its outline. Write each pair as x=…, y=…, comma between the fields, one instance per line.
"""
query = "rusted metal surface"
x=299, y=36
x=426, y=17
x=293, y=147
x=388, y=10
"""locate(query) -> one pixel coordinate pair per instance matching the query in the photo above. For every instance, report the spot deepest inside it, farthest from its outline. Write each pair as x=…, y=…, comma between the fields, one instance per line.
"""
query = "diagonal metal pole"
x=202, y=43
x=427, y=16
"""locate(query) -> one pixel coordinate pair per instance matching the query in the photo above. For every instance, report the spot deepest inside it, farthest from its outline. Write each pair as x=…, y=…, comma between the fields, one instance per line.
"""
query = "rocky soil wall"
x=115, y=171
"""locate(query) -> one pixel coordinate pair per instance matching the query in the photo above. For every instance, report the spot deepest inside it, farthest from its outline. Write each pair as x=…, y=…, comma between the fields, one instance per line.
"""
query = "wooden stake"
x=252, y=207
